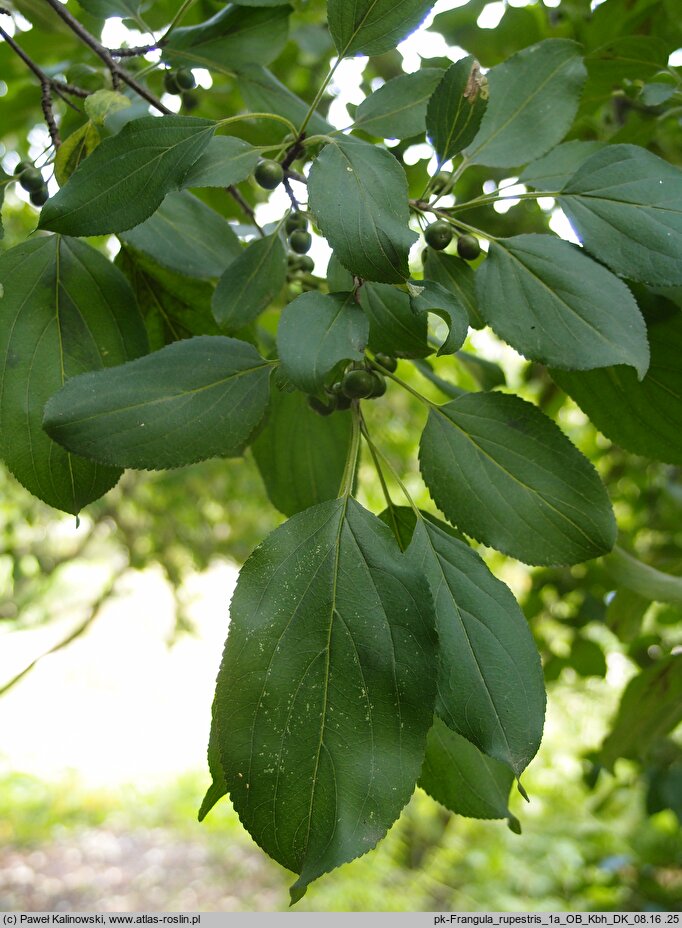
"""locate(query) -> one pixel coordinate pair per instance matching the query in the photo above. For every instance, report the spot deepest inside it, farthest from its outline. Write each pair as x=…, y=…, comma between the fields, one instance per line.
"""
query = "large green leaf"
x=300, y=454
x=506, y=475
x=557, y=167
x=226, y=161
x=394, y=328
x=646, y=417
x=126, y=178
x=555, y=305
x=490, y=687
x=398, y=108
x=75, y=149
x=464, y=780
x=326, y=689
x=456, y=108
x=195, y=399
x=218, y=787
x=234, y=36
x=433, y=297
x=316, y=332
x=626, y=204
x=373, y=26
x=455, y=275
x=186, y=236
x=250, y=283
x=65, y=309
x=263, y=93
x=358, y=196
x=534, y=97
x=627, y=57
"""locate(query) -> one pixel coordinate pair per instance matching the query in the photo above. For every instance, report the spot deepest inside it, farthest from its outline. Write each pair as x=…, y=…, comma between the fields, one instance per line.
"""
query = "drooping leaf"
x=626, y=204
x=506, y=475
x=394, y=328
x=301, y=455
x=316, y=332
x=325, y=693
x=263, y=93
x=195, y=399
x=555, y=305
x=557, y=167
x=250, y=283
x=65, y=309
x=358, y=196
x=533, y=98
x=487, y=374
x=456, y=108
x=233, y=37
x=434, y=298
x=646, y=417
x=464, y=780
x=103, y=103
x=455, y=275
x=373, y=26
x=490, y=687
x=398, y=108
x=226, y=161
x=186, y=236
x=126, y=178
x=74, y=149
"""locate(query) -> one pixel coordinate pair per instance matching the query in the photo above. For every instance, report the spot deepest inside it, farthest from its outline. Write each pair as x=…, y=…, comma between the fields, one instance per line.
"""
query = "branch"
x=136, y=50
x=238, y=198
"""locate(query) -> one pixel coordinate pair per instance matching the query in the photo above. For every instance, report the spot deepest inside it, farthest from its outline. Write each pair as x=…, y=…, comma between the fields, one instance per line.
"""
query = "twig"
x=290, y=193
x=238, y=198
x=135, y=51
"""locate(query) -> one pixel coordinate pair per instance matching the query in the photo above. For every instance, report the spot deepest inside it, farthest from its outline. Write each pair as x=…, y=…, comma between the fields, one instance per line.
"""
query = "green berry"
x=269, y=174
x=387, y=362
x=300, y=241
x=21, y=167
x=190, y=101
x=358, y=384
x=170, y=84
x=468, y=247
x=306, y=264
x=322, y=409
x=185, y=79
x=439, y=234
x=31, y=179
x=440, y=181
x=295, y=221
x=39, y=196
x=379, y=385
x=342, y=403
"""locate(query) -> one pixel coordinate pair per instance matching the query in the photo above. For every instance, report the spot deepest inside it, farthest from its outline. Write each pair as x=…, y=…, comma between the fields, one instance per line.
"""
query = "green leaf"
x=397, y=110
x=325, y=693
x=195, y=399
x=102, y=103
x=455, y=275
x=126, y=178
x=65, y=310
x=490, y=687
x=103, y=9
x=656, y=93
x=358, y=196
x=233, y=37
x=465, y=781
x=218, y=787
x=650, y=708
x=301, y=455
x=557, y=167
x=316, y=332
x=250, y=283
x=263, y=93
x=339, y=279
x=226, y=161
x=533, y=98
x=456, y=108
x=373, y=26
x=642, y=579
x=507, y=476
x=627, y=57
x=626, y=205
x=394, y=328
x=646, y=417
x=434, y=298
x=73, y=150
x=487, y=374
x=555, y=305
x=186, y=236
x=4, y=180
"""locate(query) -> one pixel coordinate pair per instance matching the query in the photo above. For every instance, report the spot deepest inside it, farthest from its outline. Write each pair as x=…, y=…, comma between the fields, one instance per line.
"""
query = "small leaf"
x=358, y=196
x=555, y=305
x=102, y=103
x=533, y=98
x=490, y=686
x=394, y=328
x=325, y=693
x=301, y=455
x=456, y=108
x=557, y=167
x=373, y=26
x=195, y=399
x=436, y=299
x=226, y=161
x=186, y=236
x=397, y=110
x=316, y=332
x=455, y=275
x=65, y=310
x=626, y=205
x=250, y=283
x=263, y=93
x=505, y=474
x=73, y=150
x=465, y=781
x=126, y=178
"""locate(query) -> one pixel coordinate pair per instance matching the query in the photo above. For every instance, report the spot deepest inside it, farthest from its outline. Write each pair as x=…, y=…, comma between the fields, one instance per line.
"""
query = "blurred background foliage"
x=603, y=830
